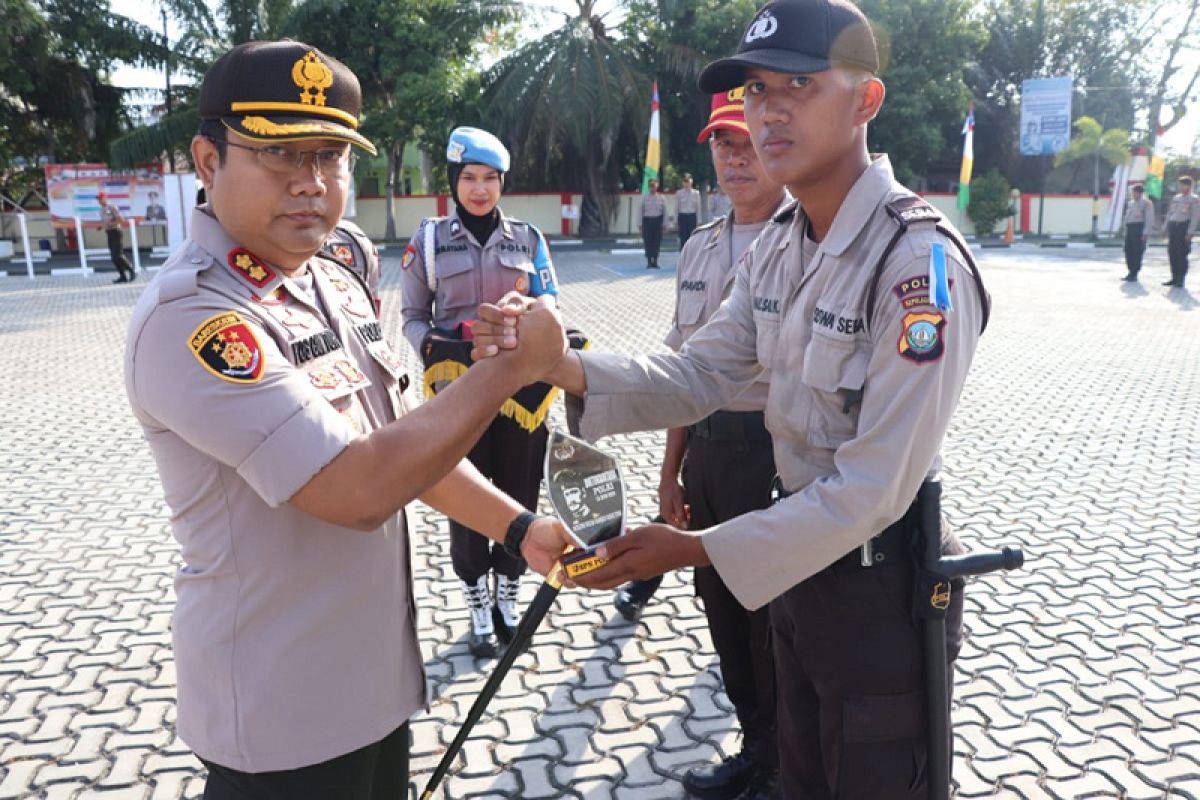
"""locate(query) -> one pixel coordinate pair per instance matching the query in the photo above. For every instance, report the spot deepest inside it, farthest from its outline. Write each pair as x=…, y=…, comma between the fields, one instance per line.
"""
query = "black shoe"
x=763, y=786
x=724, y=781
x=121, y=280
x=629, y=605
x=482, y=645
x=1169, y=283
x=503, y=632
x=1131, y=278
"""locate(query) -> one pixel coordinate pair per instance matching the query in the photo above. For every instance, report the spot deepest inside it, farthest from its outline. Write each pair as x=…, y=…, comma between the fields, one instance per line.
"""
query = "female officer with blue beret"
x=476, y=255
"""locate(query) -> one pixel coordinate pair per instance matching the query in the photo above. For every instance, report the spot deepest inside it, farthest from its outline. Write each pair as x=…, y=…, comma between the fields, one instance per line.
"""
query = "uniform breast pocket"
x=456, y=285
x=690, y=309
x=766, y=339
x=516, y=273
x=834, y=373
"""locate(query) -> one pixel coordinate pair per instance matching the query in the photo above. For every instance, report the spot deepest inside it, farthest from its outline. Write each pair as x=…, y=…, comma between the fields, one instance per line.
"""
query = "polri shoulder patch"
x=226, y=346
x=250, y=267
x=343, y=254
x=921, y=339
x=910, y=208
x=410, y=253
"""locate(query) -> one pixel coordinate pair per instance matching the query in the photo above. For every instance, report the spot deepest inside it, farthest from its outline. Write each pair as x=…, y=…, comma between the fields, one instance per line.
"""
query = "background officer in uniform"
x=862, y=305
x=652, y=210
x=1183, y=216
x=725, y=459
x=287, y=450
x=687, y=209
x=1139, y=221
x=112, y=220
x=451, y=265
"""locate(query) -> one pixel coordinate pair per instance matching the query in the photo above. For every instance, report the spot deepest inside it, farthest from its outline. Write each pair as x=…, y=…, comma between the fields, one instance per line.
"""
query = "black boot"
x=763, y=786
x=724, y=781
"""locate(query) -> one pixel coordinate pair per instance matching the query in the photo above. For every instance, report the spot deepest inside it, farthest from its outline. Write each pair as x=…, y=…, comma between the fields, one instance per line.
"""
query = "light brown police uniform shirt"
x=687, y=201
x=652, y=205
x=703, y=280
x=111, y=218
x=295, y=639
x=1140, y=212
x=514, y=258
x=1185, y=208
x=857, y=408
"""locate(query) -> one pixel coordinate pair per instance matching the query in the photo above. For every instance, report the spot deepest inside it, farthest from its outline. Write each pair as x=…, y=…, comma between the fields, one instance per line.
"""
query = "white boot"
x=508, y=591
x=482, y=638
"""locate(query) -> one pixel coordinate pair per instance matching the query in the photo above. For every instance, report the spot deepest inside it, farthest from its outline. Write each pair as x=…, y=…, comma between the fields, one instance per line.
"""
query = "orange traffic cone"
x=1008, y=233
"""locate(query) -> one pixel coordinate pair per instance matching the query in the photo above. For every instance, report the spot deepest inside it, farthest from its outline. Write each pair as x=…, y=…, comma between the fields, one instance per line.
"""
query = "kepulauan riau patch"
x=922, y=339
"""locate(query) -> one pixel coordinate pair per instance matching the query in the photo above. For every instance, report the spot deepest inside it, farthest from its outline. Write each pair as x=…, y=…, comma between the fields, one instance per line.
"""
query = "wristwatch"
x=516, y=533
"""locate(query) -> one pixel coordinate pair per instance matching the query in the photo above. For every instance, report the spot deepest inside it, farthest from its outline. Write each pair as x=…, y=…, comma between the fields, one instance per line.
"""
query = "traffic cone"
x=1008, y=233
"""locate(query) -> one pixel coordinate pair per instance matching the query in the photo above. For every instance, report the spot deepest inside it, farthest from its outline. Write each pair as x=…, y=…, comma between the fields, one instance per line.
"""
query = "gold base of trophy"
x=581, y=562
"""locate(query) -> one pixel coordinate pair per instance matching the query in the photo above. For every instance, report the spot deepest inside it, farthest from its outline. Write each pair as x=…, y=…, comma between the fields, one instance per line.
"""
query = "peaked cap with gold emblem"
x=283, y=91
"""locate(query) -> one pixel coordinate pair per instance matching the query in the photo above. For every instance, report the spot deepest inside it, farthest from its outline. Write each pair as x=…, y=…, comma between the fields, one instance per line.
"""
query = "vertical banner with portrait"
x=1045, y=116
x=74, y=189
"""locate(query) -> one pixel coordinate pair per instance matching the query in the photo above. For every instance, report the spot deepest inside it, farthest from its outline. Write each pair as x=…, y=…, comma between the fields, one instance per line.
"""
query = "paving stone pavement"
x=1078, y=438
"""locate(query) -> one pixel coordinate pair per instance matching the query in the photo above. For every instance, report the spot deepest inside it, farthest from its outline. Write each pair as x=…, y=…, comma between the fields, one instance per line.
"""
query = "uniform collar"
x=727, y=222
x=858, y=209
x=246, y=268
x=459, y=231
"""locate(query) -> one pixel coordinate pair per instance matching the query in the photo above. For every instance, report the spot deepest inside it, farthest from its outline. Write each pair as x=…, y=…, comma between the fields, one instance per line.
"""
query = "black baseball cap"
x=282, y=92
x=1139, y=188
x=797, y=36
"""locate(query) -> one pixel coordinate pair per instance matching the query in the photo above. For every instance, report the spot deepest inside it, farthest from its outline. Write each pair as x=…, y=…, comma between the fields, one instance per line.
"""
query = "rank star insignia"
x=922, y=340
x=226, y=347
x=250, y=267
x=312, y=76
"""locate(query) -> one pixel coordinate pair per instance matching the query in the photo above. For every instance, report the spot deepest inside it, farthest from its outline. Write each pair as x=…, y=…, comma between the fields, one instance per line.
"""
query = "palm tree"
x=1096, y=143
x=567, y=98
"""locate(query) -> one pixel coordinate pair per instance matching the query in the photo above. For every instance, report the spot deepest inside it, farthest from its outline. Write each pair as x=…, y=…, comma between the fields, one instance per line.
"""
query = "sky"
x=1180, y=139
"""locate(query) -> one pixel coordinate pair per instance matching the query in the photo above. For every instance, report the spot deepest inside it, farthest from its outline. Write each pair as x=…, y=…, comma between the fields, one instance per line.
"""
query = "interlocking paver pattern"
x=1078, y=438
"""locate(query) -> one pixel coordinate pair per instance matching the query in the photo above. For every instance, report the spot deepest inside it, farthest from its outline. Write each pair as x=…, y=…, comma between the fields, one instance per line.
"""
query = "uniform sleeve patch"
x=343, y=254
x=410, y=253
x=225, y=346
x=250, y=267
x=922, y=339
x=914, y=291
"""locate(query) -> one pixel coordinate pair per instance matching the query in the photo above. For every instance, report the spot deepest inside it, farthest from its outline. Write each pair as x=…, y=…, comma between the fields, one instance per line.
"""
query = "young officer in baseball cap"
x=288, y=446
x=866, y=307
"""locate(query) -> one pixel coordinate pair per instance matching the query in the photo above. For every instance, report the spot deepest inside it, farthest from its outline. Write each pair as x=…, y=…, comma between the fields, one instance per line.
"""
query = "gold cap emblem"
x=313, y=77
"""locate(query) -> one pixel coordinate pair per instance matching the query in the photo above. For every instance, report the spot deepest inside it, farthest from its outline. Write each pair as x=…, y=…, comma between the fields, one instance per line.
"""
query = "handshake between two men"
x=530, y=332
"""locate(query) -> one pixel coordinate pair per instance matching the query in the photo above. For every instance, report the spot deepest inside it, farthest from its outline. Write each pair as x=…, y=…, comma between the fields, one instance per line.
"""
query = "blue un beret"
x=475, y=146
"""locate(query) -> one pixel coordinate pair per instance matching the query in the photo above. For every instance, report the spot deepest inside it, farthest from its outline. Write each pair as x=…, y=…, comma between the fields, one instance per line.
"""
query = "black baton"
x=934, y=585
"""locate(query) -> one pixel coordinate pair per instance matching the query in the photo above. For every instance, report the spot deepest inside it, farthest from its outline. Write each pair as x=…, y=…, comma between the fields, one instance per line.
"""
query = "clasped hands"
x=517, y=322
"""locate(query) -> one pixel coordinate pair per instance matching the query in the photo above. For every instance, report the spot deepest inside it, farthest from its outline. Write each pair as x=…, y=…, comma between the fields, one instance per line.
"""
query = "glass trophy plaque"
x=587, y=493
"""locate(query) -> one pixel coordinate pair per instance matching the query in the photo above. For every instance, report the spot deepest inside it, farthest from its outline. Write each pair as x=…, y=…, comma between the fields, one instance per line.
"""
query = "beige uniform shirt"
x=857, y=408
x=110, y=217
x=652, y=205
x=1185, y=208
x=703, y=280
x=295, y=639
x=1140, y=212
x=687, y=201
x=466, y=273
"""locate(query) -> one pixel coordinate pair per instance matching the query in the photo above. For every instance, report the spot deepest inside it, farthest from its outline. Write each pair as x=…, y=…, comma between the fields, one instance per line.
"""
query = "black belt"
x=732, y=426
x=891, y=547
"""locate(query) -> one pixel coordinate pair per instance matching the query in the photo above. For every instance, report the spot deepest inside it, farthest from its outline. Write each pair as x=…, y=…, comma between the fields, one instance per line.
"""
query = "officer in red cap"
x=722, y=466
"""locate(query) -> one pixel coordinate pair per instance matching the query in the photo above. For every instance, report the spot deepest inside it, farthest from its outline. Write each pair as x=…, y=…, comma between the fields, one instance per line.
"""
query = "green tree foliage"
x=990, y=202
x=924, y=44
x=56, y=102
x=567, y=99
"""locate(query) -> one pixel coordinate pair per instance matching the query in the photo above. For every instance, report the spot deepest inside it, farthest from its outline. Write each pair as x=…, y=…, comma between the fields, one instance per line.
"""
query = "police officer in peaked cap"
x=288, y=448
x=866, y=308
x=474, y=255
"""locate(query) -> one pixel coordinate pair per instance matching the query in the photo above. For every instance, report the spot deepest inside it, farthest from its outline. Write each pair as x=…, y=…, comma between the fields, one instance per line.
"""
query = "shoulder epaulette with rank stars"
x=250, y=268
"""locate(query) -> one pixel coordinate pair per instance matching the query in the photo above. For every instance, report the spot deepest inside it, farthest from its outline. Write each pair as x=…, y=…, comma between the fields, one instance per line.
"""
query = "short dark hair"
x=1139, y=188
x=1186, y=179
x=214, y=131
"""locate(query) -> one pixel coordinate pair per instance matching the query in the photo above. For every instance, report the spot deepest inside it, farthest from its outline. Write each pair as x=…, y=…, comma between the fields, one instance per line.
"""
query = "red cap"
x=101, y=196
x=728, y=113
